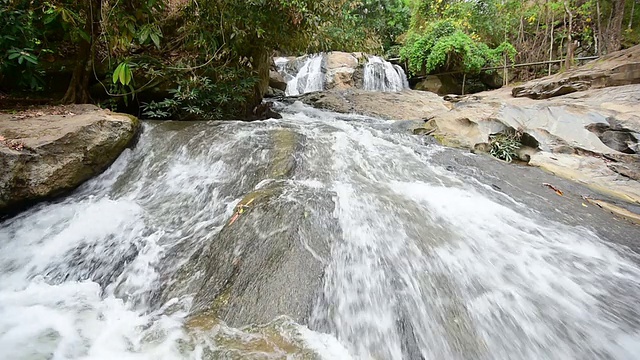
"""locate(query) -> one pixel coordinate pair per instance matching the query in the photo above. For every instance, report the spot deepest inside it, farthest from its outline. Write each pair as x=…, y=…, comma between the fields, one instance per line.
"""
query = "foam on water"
x=428, y=264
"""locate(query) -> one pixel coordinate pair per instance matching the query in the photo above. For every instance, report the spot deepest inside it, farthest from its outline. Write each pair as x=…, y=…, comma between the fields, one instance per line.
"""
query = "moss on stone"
x=283, y=157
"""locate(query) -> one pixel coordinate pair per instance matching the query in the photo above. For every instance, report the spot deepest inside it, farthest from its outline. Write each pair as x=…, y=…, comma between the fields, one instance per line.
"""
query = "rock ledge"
x=45, y=153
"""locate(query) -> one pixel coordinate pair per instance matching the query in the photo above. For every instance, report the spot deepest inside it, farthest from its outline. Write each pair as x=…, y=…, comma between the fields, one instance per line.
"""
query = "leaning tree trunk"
x=78, y=90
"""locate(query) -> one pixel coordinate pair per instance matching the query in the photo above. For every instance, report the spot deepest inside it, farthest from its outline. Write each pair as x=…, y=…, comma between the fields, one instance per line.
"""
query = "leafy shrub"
x=505, y=145
x=444, y=46
x=199, y=97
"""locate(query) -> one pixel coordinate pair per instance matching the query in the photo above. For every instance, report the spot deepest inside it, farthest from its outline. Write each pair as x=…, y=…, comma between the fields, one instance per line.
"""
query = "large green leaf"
x=125, y=75
x=116, y=73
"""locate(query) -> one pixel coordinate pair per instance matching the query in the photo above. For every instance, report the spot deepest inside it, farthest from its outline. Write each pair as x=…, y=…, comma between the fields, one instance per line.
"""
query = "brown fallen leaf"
x=558, y=191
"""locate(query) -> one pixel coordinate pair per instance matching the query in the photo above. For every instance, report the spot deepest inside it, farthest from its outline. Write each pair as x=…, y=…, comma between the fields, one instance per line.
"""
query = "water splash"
x=427, y=266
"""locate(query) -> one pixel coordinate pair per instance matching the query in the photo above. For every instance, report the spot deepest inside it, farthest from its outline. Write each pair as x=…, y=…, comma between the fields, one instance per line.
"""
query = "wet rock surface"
x=45, y=155
x=577, y=206
x=252, y=271
x=405, y=105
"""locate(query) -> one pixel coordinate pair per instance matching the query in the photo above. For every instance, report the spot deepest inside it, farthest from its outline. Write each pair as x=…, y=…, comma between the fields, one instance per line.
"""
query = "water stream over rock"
x=308, y=79
x=381, y=75
x=356, y=240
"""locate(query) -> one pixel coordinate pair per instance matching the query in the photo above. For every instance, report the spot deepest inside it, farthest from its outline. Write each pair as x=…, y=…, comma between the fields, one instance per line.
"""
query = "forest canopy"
x=210, y=59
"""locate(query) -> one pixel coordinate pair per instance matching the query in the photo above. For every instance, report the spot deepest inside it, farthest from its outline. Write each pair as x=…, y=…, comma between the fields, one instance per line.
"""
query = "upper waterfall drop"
x=381, y=75
x=310, y=78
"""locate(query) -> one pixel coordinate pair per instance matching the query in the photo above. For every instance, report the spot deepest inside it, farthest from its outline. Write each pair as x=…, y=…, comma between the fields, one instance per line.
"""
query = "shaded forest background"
x=211, y=59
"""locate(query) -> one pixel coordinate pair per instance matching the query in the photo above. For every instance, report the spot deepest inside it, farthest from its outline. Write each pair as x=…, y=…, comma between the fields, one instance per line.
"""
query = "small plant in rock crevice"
x=504, y=145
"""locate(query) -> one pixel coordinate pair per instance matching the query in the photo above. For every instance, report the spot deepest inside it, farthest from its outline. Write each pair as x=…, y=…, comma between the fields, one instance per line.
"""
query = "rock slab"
x=405, y=105
x=47, y=153
x=616, y=69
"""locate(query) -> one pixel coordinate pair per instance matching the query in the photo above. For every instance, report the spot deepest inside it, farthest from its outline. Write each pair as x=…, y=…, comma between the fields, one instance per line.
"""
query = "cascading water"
x=403, y=76
x=310, y=78
x=381, y=75
x=413, y=259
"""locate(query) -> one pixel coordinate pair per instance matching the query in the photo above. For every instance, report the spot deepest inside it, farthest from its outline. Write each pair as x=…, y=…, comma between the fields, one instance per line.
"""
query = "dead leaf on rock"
x=15, y=145
x=234, y=218
x=558, y=191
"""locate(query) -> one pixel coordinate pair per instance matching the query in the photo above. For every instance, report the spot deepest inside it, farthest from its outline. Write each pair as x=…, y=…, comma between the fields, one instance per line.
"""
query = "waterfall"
x=381, y=75
x=363, y=242
x=310, y=78
x=403, y=76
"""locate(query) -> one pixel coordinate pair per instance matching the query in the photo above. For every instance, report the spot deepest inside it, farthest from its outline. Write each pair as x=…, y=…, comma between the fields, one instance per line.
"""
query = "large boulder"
x=340, y=70
x=616, y=69
x=405, y=105
x=45, y=153
x=277, y=81
x=440, y=84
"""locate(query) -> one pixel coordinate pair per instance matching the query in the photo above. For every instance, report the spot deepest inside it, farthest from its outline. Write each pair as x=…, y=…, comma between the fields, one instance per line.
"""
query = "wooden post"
x=464, y=80
x=505, y=74
x=506, y=78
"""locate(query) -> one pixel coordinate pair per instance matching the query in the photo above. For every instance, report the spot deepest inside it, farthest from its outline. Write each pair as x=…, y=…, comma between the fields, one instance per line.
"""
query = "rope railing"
x=505, y=68
x=546, y=62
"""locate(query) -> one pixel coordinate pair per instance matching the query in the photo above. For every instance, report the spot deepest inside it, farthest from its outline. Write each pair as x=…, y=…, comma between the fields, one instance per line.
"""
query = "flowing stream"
x=388, y=255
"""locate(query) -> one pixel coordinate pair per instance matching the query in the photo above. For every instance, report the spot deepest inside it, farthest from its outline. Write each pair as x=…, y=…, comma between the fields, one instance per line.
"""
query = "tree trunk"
x=614, y=28
x=78, y=90
x=633, y=10
x=570, y=47
x=599, y=35
x=553, y=24
x=261, y=64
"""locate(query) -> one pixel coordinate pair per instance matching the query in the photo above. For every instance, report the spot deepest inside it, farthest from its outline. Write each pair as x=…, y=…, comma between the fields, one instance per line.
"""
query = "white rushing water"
x=381, y=75
x=428, y=265
x=310, y=78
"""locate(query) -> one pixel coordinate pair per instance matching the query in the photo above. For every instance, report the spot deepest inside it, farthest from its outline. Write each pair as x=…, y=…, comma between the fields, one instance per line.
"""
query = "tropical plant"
x=20, y=44
x=504, y=145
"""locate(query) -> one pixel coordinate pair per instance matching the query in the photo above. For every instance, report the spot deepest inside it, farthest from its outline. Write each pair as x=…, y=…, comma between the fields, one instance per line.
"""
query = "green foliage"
x=20, y=44
x=199, y=97
x=122, y=74
x=444, y=46
x=383, y=20
x=505, y=145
